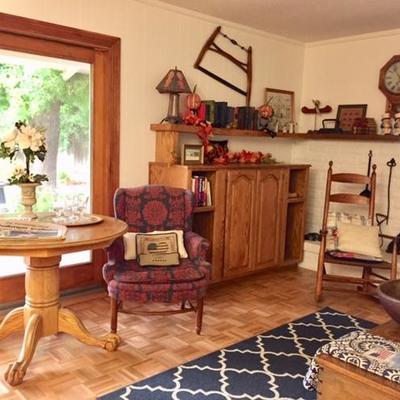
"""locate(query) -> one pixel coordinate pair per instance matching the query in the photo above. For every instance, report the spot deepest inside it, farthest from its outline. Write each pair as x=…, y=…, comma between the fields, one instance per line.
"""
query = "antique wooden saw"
x=246, y=67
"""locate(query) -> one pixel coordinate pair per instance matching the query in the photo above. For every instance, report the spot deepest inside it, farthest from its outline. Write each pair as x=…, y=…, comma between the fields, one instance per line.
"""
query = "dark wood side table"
x=339, y=380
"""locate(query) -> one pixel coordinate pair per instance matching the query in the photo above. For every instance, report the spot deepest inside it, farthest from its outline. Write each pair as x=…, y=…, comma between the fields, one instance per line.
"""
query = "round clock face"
x=392, y=78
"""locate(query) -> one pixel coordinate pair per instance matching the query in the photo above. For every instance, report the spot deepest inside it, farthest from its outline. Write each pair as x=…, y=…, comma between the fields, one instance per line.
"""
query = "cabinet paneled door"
x=271, y=192
x=239, y=222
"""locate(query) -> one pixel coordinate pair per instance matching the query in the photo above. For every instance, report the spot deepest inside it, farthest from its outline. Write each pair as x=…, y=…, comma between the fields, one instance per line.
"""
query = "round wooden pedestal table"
x=42, y=314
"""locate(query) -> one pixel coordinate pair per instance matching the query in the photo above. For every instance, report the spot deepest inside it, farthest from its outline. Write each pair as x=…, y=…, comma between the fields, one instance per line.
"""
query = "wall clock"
x=389, y=83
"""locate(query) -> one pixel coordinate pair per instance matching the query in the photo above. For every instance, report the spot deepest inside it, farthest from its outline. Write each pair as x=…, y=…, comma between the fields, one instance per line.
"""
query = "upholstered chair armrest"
x=115, y=255
x=196, y=245
x=204, y=266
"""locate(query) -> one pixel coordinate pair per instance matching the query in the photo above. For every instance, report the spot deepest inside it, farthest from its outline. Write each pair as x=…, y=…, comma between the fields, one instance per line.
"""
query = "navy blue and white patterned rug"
x=268, y=366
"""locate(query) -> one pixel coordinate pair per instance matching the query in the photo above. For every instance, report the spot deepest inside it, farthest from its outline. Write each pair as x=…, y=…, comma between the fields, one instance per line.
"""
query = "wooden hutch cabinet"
x=256, y=219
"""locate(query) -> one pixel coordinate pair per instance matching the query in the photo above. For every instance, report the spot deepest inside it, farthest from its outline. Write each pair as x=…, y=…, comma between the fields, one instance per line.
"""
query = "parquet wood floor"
x=63, y=368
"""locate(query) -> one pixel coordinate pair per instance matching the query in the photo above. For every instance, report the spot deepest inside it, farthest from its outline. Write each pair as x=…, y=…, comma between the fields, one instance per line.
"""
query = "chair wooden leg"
x=199, y=315
x=365, y=275
x=183, y=304
x=114, y=314
x=320, y=273
x=393, y=272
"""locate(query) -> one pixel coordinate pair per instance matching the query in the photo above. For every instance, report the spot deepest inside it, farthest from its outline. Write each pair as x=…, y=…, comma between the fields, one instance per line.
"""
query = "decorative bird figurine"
x=317, y=110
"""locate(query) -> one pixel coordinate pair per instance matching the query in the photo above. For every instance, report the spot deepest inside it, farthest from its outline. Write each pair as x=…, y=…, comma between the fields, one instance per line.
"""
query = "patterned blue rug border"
x=271, y=365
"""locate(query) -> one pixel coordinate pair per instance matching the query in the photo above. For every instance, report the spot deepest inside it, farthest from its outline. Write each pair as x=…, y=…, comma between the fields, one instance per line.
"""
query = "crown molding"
x=219, y=21
x=354, y=38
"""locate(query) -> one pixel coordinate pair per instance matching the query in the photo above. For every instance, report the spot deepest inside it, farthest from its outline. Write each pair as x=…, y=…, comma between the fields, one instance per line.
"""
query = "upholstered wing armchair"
x=150, y=208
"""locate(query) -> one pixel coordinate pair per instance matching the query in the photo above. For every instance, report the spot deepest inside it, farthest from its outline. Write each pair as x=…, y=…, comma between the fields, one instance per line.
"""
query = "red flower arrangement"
x=212, y=153
x=245, y=157
x=205, y=130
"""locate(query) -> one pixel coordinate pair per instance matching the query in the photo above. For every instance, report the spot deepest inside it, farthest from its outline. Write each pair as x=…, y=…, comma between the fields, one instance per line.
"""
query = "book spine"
x=217, y=117
x=196, y=190
x=250, y=117
x=211, y=113
x=235, y=122
x=207, y=110
x=208, y=187
x=241, y=117
x=230, y=112
x=220, y=114
x=224, y=114
x=193, y=184
x=202, y=192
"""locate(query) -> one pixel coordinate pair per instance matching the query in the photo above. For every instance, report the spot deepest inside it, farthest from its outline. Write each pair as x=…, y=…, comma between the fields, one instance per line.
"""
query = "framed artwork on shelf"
x=282, y=102
x=347, y=113
x=192, y=154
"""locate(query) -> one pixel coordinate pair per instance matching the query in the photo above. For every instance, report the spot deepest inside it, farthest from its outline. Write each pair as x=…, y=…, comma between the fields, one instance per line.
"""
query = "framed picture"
x=282, y=102
x=192, y=154
x=347, y=113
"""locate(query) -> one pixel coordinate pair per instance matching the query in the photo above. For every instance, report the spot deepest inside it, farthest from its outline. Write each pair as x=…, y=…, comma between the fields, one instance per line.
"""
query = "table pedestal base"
x=42, y=316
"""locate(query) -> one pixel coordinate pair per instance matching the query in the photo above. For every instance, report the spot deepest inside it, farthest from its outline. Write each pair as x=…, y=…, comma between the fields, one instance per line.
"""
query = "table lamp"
x=173, y=83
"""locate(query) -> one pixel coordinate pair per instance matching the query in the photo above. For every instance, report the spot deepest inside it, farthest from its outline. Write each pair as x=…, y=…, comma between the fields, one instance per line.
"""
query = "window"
x=73, y=49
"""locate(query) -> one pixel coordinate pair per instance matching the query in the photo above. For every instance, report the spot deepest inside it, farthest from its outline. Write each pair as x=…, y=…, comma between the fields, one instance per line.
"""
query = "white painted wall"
x=155, y=38
x=346, y=72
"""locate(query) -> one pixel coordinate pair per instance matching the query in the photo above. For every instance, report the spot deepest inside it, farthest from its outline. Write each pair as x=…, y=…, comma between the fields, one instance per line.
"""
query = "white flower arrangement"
x=31, y=142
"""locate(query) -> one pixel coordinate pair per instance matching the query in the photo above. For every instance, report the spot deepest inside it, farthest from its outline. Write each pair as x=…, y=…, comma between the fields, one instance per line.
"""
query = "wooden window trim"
x=104, y=53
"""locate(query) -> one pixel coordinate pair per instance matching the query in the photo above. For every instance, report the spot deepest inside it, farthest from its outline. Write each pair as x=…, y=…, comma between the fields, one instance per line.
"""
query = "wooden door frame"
x=103, y=52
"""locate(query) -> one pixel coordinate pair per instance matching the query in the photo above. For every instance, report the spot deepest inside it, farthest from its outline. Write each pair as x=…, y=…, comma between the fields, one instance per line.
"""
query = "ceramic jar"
x=396, y=128
x=386, y=124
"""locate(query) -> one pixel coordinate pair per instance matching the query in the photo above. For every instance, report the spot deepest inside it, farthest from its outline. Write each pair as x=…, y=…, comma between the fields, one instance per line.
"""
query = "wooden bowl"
x=389, y=295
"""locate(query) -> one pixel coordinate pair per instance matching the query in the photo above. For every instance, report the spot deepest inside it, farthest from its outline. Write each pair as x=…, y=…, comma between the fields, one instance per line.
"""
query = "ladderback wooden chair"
x=157, y=208
x=370, y=278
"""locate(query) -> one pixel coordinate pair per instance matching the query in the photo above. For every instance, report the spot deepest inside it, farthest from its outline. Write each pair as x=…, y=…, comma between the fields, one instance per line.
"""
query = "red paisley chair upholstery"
x=145, y=209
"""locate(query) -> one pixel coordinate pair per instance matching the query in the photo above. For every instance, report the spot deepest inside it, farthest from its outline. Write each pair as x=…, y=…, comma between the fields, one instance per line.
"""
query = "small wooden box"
x=340, y=380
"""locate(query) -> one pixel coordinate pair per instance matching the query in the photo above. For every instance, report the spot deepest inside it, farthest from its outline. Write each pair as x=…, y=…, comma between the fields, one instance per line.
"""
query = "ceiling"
x=303, y=20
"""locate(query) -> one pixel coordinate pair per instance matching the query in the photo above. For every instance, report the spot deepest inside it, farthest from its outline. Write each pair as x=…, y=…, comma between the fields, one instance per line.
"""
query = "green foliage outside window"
x=57, y=100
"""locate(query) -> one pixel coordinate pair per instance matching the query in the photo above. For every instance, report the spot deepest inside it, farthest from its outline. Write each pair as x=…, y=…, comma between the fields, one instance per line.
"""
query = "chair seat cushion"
x=338, y=259
x=187, y=281
x=184, y=272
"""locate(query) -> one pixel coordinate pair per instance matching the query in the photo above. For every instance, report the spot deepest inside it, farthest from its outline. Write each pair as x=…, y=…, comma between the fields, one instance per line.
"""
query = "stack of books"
x=365, y=126
x=202, y=191
x=220, y=115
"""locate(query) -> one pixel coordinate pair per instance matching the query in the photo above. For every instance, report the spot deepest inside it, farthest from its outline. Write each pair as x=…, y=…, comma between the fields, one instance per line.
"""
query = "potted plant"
x=29, y=143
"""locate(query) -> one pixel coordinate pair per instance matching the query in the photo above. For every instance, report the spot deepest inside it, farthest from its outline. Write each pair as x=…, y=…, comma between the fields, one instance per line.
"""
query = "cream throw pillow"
x=334, y=217
x=130, y=244
x=359, y=239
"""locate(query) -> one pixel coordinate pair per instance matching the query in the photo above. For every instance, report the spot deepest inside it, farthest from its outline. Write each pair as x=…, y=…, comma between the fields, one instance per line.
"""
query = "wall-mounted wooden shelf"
x=339, y=136
x=292, y=136
x=295, y=200
x=204, y=209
